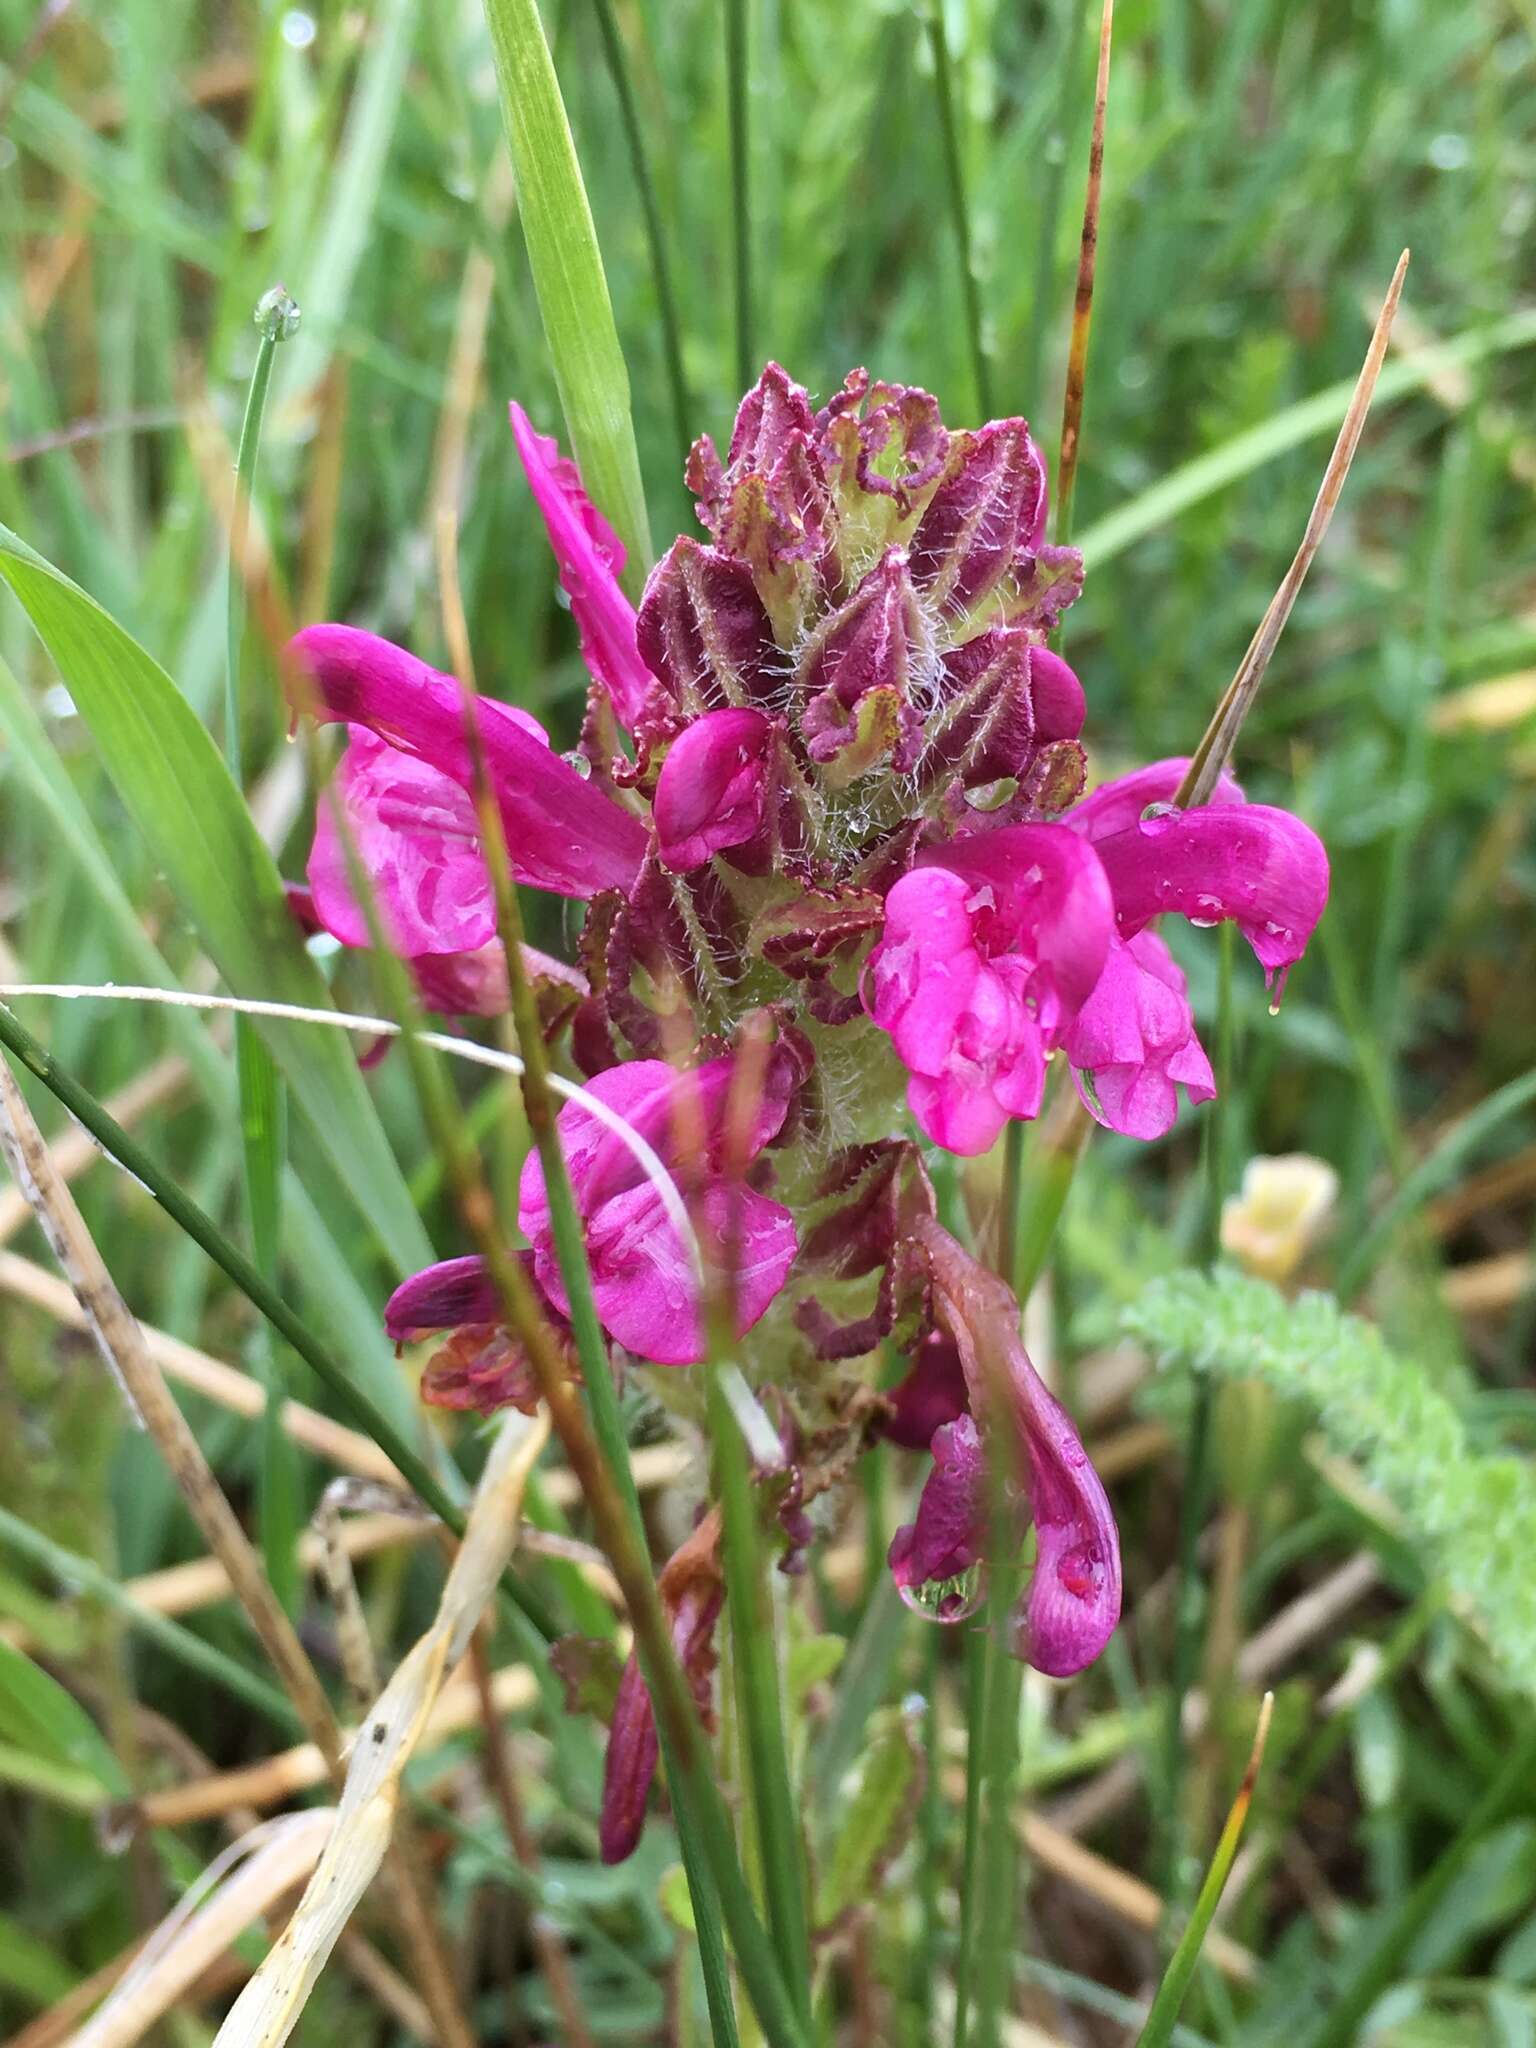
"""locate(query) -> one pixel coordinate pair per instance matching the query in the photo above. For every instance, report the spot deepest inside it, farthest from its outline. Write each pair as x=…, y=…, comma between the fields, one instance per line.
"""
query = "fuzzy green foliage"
x=1474, y=1513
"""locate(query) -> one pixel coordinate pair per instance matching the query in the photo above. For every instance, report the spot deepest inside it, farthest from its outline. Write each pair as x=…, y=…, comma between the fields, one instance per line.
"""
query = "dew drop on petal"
x=947, y=1600
x=1158, y=817
x=1080, y=1570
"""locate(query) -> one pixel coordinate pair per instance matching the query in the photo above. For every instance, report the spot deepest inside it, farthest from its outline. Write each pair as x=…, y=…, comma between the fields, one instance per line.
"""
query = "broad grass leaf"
x=180, y=795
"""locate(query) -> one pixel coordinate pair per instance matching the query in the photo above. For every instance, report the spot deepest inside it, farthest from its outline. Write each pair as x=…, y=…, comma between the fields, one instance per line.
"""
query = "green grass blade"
x=331, y=1291
x=179, y=793
x=775, y=1812
x=568, y=277
x=1158, y=2030
x=655, y=228
x=263, y=1100
x=1289, y=428
x=81, y=1575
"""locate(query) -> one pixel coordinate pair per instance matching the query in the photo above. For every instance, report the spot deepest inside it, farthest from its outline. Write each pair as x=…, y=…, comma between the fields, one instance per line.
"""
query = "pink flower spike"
x=591, y=559
x=642, y=1277
x=991, y=945
x=1259, y=866
x=563, y=833
x=1134, y=1042
x=1072, y=1603
x=710, y=793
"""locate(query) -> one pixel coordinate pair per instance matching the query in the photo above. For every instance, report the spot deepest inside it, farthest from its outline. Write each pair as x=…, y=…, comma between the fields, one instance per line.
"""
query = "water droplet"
x=1206, y=913
x=1450, y=152
x=298, y=29
x=948, y=1600
x=1081, y=1570
x=277, y=315
x=1158, y=817
x=578, y=760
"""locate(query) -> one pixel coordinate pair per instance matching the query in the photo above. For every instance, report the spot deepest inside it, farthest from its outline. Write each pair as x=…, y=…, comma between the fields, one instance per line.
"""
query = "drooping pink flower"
x=1072, y=1603
x=712, y=789
x=991, y=946
x=563, y=833
x=647, y=1295
x=591, y=559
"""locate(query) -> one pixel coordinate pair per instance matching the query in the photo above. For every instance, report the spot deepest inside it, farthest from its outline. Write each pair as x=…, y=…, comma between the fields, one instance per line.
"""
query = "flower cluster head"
x=829, y=796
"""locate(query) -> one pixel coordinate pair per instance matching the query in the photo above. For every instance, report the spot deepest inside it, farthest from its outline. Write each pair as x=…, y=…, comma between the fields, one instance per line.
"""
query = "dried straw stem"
x=293, y=1771
x=75, y=1149
x=270, y=2006
x=210, y=1377
x=1215, y=749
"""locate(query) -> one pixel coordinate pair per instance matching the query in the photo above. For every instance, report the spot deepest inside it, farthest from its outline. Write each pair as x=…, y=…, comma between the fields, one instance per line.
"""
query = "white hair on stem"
x=645, y=1154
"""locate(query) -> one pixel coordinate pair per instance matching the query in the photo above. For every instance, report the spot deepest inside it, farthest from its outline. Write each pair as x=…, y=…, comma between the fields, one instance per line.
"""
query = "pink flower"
x=591, y=559
x=646, y=1292
x=1072, y=1603
x=998, y=948
x=563, y=833
x=1134, y=1041
x=991, y=945
x=712, y=789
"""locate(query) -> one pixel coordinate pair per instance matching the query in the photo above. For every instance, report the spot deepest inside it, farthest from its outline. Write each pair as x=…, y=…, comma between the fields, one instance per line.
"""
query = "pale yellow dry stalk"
x=269, y=2007
x=185, y=1944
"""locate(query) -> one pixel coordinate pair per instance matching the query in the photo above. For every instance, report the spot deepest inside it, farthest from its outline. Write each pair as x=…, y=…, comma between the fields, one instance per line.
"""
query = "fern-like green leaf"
x=1473, y=1513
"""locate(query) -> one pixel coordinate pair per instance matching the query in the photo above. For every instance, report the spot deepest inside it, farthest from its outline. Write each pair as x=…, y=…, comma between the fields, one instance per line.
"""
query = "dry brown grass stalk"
x=210, y=1377
x=75, y=1149
x=268, y=2009
x=292, y=1771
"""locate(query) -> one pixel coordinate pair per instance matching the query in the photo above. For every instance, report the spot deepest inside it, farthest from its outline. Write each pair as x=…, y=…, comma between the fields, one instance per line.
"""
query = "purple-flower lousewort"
x=828, y=817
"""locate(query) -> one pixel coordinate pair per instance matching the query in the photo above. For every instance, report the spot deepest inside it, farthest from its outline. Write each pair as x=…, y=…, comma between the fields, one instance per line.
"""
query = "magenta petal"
x=441, y=1297
x=591, y=560
x=710, y=792
x=416, y=838
x=1072, y=1604
x=643, y=1281
x=1118, y=805
x=950, y=1531
x=1261, y=867
x=932, y=1393
x=633, y=1752
x=562, y=832
x=1039, y=891
x=990, y=946
x=1134, y=1041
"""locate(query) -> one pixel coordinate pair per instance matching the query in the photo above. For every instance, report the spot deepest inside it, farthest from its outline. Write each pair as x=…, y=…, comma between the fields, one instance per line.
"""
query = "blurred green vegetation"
x=163, y=163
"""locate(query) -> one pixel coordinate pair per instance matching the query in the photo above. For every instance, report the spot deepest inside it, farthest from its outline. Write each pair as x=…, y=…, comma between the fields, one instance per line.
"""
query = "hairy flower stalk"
x=830, y=798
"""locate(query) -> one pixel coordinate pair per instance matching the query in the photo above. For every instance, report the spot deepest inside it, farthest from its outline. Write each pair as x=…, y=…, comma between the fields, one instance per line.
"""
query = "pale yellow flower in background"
x=1280, y=1212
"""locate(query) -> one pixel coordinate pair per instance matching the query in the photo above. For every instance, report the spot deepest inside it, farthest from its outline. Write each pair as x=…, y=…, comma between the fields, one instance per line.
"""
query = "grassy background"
x=161, y=165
